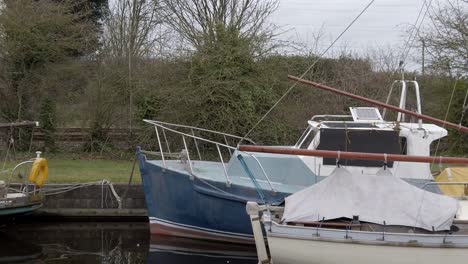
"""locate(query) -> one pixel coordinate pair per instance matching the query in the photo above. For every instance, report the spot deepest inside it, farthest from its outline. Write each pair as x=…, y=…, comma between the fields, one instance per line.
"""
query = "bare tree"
x=199, y=21
x=446, y=40
x=133, y=30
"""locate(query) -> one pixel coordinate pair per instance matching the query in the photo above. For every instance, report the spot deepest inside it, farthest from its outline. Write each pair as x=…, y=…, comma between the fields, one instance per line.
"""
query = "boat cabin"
x=366, y=131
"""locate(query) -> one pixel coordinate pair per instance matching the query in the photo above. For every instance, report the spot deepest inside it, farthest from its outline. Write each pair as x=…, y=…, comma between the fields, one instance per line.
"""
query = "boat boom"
x=352, y=155
x=380, y=104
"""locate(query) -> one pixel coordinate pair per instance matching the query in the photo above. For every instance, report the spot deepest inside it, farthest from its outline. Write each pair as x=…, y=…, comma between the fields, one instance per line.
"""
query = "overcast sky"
x=383, y=24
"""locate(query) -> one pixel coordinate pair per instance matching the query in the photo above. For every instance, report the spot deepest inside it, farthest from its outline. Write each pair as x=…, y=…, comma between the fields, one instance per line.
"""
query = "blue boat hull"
x=185, y=206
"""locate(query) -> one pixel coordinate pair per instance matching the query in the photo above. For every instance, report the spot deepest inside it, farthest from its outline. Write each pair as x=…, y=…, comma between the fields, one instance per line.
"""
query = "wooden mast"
x=352, y=155
x=380, y=104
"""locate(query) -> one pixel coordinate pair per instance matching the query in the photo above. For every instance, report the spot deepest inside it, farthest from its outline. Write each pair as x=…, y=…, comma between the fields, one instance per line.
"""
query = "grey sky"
x=382, y=25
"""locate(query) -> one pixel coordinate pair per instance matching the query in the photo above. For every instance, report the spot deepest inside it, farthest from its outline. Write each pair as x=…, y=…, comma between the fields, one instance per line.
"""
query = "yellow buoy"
x=39, y=172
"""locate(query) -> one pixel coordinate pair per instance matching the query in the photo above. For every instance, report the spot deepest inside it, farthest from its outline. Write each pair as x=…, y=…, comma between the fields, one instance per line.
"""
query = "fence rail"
x=80, y=134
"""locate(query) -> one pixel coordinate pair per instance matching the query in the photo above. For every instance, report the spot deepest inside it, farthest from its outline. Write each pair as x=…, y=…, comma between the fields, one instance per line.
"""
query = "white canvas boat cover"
x=374, y=198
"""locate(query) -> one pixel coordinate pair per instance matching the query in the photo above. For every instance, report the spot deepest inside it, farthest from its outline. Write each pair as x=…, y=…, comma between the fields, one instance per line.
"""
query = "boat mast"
x=352, y=155
x=380, y=104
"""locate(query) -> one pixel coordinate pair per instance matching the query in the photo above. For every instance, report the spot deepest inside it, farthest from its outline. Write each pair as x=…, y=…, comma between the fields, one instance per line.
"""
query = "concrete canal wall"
x=99, y=200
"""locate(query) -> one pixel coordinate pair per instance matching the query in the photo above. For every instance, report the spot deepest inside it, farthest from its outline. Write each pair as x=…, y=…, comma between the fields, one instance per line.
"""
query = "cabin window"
x=358, y=140
x=308, y=139
x=304, y=134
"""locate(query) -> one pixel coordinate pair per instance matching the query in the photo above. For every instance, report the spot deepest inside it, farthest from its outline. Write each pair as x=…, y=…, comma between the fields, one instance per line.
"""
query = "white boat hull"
x=300, y=251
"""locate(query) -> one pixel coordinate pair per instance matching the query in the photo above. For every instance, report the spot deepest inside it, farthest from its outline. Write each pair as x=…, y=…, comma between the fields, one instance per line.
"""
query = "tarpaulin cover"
x=456, y=174
x=374, y=198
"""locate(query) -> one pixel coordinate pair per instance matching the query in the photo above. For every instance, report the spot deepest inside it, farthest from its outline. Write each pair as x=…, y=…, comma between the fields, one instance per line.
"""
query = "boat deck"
x=214, y=171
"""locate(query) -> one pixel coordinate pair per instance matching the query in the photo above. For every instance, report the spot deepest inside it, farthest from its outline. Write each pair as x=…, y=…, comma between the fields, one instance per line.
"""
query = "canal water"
x=116, y=243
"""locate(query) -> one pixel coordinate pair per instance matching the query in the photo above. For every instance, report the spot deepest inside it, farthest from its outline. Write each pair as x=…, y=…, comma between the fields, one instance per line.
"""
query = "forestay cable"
x=308, y=69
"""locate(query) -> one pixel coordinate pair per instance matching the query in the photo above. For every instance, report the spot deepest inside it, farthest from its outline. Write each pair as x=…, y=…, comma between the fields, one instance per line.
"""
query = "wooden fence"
x=81, y=134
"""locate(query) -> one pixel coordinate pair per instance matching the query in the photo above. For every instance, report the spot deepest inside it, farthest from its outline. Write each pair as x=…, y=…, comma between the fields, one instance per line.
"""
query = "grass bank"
x=69, y=170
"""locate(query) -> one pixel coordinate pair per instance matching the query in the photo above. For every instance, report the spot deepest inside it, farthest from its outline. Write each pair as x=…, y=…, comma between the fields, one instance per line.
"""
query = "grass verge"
x=88, y=170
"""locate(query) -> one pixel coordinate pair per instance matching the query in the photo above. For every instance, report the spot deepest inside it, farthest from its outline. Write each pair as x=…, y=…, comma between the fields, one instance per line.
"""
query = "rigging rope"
x=307, y=70
x=464, y=107
x=10, y=142
x=407, y=47
x=446, y=113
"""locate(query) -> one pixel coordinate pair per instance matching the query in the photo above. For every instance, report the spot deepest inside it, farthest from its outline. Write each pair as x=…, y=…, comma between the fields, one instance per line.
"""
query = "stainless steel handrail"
x=263, y=170
x=159, y=153
x=228, y=183
x=192, y=136
x=160, y=147
x=167, y=142
x=188, y=156
x=196, y=128
x=195, y=138
x=196, y=144
x=330, y=116
x=14, y=169
x=163, y=127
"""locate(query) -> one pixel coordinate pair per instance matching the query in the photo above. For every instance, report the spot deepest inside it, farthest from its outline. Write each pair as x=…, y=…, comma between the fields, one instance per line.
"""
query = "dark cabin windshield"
x=354, y=140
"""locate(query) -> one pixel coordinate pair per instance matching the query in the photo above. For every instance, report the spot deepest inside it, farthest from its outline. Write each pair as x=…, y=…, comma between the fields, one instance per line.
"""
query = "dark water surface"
x=119, y=243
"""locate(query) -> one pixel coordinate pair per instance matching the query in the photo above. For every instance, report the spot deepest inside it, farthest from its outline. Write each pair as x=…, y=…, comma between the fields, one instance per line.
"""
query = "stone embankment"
x=98, y=201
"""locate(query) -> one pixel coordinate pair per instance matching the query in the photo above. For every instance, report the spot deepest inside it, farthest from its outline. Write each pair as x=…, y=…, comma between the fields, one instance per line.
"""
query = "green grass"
x=89, y=170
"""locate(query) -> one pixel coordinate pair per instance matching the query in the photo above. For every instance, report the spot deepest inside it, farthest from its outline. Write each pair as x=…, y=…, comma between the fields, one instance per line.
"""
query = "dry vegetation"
x=208, y=63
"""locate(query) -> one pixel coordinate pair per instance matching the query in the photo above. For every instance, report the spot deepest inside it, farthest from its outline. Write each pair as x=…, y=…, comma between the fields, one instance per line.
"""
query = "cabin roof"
x=385, y=125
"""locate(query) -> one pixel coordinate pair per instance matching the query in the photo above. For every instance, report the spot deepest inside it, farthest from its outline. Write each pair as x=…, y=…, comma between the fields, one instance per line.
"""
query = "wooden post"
x=253, y=209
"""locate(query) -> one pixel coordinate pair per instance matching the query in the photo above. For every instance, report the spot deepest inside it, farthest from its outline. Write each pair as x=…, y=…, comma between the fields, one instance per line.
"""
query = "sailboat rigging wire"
x=380, y=104
x=464, y=107
x=10, y=142
x=307, y=70
x=407, y=48
x=446, y=114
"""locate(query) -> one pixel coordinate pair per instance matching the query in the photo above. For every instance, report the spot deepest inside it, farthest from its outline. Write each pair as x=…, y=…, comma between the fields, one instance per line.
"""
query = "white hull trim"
x=300, y=251
x=301, y=245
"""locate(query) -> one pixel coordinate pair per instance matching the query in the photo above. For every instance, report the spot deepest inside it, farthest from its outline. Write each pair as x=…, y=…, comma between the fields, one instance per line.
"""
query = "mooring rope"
x=56, y=191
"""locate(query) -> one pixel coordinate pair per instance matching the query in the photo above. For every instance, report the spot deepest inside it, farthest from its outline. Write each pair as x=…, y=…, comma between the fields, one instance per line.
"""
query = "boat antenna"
x=307, y=70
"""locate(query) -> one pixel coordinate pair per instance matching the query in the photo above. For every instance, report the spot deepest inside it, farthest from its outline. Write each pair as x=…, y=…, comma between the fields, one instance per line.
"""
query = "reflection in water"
x=119, y=243
x=116, y=243
x=171, y=250
x=14, y=250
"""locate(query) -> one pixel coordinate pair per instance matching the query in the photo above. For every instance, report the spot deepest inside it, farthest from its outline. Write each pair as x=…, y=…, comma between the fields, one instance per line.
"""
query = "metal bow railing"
x=161, y=129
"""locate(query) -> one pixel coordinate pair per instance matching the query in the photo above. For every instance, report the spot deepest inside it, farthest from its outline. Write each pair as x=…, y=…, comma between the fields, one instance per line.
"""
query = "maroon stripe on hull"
x=162, y=229
x=201, y=246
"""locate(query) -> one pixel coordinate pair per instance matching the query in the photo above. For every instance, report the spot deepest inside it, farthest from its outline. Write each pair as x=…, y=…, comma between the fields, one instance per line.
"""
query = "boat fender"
x=39, y=172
